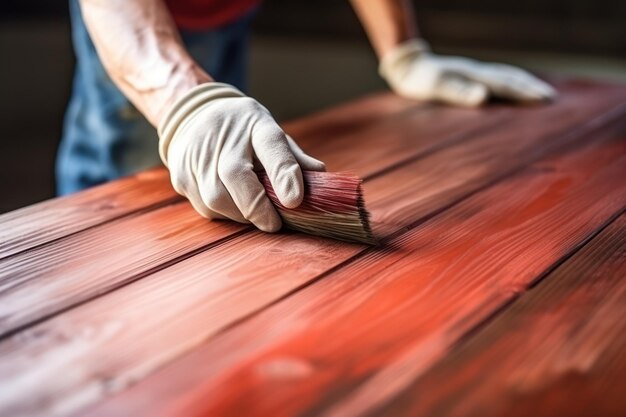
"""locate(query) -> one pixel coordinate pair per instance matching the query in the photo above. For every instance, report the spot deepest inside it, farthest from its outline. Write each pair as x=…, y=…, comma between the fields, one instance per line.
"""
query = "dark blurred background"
x=317, y=49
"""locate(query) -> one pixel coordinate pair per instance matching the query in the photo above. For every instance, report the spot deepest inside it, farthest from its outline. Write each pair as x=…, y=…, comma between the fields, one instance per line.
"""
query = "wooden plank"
x=286, y=285
x=51, y=220
x=227, y=280
x=52, y=278
x=557, y=351
x=355, y=339
x=407, y=136
x=347, y=118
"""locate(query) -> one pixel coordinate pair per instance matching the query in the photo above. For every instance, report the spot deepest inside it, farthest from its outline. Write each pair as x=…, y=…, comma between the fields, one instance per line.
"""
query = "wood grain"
x=428, y=184
x=347, y=118
x=119, y=338
x=89, y=264
x=50, y=220
x=557, y=351
x=352, y=341
x=385, y=144
x=53, y=278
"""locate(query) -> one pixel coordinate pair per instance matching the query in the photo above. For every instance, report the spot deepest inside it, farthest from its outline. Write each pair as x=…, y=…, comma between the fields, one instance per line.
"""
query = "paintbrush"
x=333, y=206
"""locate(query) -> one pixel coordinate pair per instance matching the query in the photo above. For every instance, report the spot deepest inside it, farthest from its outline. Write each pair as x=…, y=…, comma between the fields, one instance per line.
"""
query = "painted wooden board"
x=176, y=290
x=352, y=341
x=53, y=278
x=557, y=351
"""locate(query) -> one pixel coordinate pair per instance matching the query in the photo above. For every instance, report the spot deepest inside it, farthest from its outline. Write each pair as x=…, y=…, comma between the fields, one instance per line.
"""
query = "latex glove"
x=213, y=138
x=414, y=72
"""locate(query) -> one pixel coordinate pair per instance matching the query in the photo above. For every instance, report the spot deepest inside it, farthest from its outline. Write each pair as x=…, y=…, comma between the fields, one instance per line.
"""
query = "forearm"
x=388, y=23
x=139, y=45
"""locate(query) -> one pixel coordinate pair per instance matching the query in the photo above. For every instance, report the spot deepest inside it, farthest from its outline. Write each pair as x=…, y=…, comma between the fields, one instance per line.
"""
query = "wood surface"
x=148, y=309
x=558, y=350
x=48, y=221
x=380, y=321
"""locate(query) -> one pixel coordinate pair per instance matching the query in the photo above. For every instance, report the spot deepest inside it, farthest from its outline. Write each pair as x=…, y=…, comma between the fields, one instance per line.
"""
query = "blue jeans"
x=104, y=136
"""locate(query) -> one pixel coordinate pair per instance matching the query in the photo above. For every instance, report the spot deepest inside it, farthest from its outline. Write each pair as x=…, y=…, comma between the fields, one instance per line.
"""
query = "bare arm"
x=388, y=23
x=141, y=50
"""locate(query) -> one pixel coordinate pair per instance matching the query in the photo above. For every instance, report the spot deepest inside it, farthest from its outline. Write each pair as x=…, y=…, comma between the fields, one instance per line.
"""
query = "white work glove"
x=214, y=138
x=414, y=72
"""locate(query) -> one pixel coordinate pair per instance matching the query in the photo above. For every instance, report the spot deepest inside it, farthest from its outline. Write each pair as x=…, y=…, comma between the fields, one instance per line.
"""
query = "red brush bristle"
x=333, y=206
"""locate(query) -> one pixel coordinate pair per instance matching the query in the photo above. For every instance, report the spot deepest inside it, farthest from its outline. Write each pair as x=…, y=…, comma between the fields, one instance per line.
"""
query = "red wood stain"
x=131, y=304
x=371, y=328
x=559, y=350
x=416, y=302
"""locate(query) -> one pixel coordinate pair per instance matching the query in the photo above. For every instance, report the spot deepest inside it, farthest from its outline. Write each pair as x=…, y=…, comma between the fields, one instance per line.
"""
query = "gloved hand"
x=213, y=139
x=414, y=72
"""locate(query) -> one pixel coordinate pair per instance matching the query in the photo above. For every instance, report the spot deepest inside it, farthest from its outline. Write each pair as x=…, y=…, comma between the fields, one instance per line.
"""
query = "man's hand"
x=213, y=138
x=414, y=72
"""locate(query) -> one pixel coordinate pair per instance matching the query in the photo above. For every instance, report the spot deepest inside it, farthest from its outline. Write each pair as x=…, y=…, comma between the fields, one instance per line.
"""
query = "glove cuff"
x=394, y=60
x=189, y=103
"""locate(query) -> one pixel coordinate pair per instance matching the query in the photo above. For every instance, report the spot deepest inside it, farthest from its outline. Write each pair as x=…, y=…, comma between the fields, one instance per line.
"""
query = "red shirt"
x=206, y=14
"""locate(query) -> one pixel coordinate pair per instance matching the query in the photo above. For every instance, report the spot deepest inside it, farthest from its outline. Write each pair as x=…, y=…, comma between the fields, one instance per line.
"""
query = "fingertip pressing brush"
x=333, y=206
